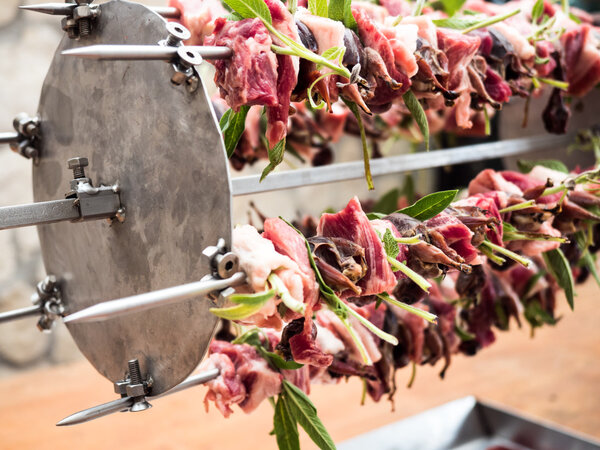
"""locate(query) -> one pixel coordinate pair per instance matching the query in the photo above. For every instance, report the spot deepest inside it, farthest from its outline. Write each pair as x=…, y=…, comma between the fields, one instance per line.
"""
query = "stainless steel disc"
x=162, y=145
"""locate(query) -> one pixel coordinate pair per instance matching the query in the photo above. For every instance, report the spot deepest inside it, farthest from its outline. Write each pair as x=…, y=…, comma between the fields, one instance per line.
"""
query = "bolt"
x=48, y=284
x=135, y=375
x=85, y=27
x=77, y=165
x=177, y=33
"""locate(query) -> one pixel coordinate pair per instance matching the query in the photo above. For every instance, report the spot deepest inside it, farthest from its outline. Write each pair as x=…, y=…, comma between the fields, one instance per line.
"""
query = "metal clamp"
x=135, y=387
x=49, y=300
x=93, y=202
x=186, y=58
x=223, y=264
x=24, y=140
x=79, y=22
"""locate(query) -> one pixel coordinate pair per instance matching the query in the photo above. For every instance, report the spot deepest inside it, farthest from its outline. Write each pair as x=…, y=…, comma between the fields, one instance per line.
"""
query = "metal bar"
x=148, y=300
x=38, y=213
x=168, y=12
x=66, y=9
x=145, y=52
x=19, y=313
x=97, y=411
x=396, y=164
x=192, y=381
x=125, y=403
x=7, y=138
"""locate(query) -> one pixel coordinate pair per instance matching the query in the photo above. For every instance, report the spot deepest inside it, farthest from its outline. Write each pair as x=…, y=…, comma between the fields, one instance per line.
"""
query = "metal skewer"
x=145, y=52
x=148, y=300
x=66, y=9
x=126, y=402
x=7, y=138
x=20, y=313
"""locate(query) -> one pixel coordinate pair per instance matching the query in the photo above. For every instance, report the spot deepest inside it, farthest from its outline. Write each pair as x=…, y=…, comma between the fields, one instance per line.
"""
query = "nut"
x=227, y=264
x=83, y=12
x=135, y=390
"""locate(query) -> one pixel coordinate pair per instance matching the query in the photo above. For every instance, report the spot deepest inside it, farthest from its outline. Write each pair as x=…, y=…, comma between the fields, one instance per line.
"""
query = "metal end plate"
x=161, y=144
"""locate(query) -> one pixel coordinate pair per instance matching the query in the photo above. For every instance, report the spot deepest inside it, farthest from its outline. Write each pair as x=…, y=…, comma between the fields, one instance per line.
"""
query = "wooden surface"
x=555, y=376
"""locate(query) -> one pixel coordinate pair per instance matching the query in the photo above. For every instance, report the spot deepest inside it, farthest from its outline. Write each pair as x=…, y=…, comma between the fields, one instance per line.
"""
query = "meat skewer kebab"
x=368, y=329
x=447, y=73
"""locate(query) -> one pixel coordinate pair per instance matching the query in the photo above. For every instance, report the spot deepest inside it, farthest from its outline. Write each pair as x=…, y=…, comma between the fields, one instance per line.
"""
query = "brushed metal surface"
x=162, y=145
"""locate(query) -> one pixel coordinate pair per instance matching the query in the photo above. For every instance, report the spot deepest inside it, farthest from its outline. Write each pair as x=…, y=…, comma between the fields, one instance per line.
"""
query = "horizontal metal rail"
x=394, y=164
x=38, y=213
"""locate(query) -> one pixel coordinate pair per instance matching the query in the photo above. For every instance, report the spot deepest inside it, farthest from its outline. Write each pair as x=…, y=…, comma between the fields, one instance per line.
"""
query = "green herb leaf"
x=363, y=138
x=574, y=18
x=275, y=158
x=527, y=166
x=349, y=20
x=279, y=362
x=491, y=21
x=388, y=203
x=430, y=205
x=318, y=8
x=250, y=9
x=305, y=413
x=561, y=270
x=463, y=334
x=587, y=259
x=250, y=337
x=418, y=114
x=390, y=245
x=458, y=23
x=452, y=6
x=246, y=305
x=537, y=11
x=285, y=427
x=232, y=126
x=408, y=189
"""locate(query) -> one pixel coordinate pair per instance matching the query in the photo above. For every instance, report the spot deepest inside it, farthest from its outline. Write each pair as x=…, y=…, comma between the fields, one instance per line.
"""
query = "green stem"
x=414, y=276
x=285, y=295
x=491, y=21
x=556, y=83
x=411, y=309
x=372, y=328
x=488, y=125
x=554, y=190
x=412, y=375
x=419, y=8
x=359, y=344
x=512, y=236
x=517, y=207
x=408, y=240
x=503, y=251
x=490, y=255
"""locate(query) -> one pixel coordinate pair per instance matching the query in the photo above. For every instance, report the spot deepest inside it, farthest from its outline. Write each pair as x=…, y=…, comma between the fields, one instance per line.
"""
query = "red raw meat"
x=250, y=76
x=582, y=59
x=289, y=243
x=351, y=223
x=496, y=87
x=198, y=16
x=245, y=379
x=527, y=182
x=287, y=73
x=456, y=234
x=487, y=203
x=460, y=50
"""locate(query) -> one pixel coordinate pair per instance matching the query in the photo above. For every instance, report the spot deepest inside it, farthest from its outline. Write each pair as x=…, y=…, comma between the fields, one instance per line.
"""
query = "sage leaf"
x=318, y=8
x=430, y=205
x=305, y=413
x=559, y=268
x=527, y=166
x=418, y=114
x=452, y=6
x=587, y=259
x=279, y=362
x=246, y=305
x=390, y=245
x=249, y=9
x=232, y=126
x=458, y=23
x=275, y=158
x=537, y=11
x=285, y=427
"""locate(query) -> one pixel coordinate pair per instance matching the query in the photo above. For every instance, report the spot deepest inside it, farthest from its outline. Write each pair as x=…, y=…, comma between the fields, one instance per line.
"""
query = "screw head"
x=178, y=31
x=76, y=163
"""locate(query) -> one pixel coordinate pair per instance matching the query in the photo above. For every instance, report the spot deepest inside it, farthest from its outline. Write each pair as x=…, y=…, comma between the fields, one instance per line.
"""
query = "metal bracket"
x=25, y=139
x=79, y=22
x=134, y=386
x=47, y=301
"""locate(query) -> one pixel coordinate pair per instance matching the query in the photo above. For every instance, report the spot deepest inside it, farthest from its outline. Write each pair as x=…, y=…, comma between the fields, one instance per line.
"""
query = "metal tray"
x=470, y=424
